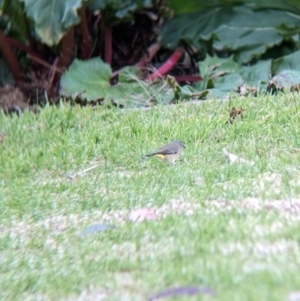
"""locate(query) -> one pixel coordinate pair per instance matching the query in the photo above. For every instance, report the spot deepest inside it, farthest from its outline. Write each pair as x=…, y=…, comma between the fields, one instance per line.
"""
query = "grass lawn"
x=233, y=228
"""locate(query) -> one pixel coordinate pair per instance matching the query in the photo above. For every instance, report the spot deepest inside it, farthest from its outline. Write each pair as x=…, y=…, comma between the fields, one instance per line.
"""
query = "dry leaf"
x=234, y=113
x=235, y=159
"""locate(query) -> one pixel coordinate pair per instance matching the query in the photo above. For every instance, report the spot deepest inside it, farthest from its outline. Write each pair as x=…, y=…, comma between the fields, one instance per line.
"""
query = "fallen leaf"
x=235, y=159
x=234, y=113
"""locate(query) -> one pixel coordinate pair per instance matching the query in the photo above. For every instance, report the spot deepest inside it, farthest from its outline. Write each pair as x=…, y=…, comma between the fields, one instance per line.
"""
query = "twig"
x=78, y=174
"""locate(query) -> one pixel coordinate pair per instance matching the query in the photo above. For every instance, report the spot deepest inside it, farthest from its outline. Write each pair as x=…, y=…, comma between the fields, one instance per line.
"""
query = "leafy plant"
x=246, y=31
x=64, y=40
x=90, y=81
x=53, y=33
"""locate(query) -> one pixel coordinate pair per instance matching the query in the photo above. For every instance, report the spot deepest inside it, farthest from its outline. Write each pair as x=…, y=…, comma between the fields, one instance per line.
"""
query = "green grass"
x=227, y=226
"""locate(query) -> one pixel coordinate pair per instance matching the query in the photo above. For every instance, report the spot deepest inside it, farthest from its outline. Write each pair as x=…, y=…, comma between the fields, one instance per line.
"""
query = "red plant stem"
x=108, y=45
x=65, y=57
x=188, y=78
x=85, y=35
x=151, y=51
x=168, y=65
x=53, y=73
x=67, y=43
x=97, y=21
x=10, y=57
x=23, y=47
x=43, y=63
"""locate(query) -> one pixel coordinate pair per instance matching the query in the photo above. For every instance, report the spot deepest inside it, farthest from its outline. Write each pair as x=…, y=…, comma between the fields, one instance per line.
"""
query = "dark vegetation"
x=210, y=50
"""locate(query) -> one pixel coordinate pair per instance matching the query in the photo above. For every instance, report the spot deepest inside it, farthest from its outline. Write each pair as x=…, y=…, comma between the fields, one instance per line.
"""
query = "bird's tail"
x=147, y=156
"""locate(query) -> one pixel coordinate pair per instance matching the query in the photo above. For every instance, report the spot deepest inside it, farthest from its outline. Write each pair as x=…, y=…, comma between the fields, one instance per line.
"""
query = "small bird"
x=170, y=152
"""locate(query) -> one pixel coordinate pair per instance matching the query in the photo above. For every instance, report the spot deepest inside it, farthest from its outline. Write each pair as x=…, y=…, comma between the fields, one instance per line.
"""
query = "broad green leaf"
x=257, y=75
x=90, y=80
x=222, y=86
x=223, y=77
x=288, y=5
x=17, y=25
x=202, y=85
x=237, y=30
x=216, y=93
x=291, y=61
x=128, y=74
x=180, y=7
x=293, y=3
x=118, y=9
x=229, y=83
x=246, y=43
x=88, y=77
x=185, y=92
x=287, y=79
x=194, y=28
x=52, y=18
x=215, y=66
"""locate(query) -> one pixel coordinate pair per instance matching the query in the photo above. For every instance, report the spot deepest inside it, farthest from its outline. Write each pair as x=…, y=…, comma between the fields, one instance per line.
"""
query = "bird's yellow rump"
x=170, y=152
